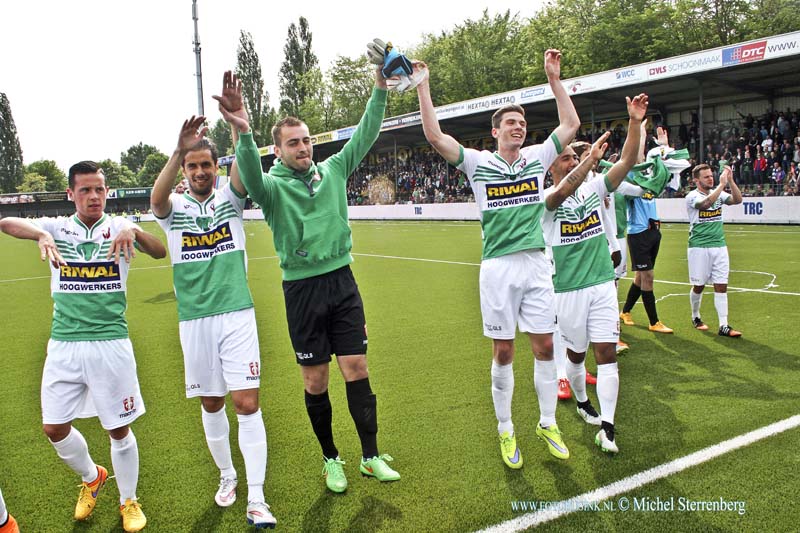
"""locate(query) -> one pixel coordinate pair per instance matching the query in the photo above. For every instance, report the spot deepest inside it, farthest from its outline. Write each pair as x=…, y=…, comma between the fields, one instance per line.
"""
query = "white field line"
x=643, y=478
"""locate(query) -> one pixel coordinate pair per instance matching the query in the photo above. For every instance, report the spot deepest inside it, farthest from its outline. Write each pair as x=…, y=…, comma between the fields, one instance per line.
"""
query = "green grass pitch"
x=429, y=366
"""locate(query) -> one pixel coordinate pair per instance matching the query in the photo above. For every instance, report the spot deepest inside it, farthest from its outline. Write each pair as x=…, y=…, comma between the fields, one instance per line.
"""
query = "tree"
x=351, y=82
x=299, y=61
x=256, y=99
x=117, y=176
x=32, y=182
x=55, y=178
x=136, y=155
x=11, y=169
x=151, y=169
x=220, y=134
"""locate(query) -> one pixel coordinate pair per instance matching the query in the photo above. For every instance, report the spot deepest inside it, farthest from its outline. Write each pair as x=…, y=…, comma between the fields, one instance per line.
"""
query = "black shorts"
x=325, y=315
x=644, y=248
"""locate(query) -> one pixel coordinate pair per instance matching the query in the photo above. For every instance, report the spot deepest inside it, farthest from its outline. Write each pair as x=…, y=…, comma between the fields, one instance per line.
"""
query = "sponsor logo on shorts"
x=304, y=355
x=192, y=386
x=255, y=372
x=200, y=246
x=492, y=327
x=128, y=407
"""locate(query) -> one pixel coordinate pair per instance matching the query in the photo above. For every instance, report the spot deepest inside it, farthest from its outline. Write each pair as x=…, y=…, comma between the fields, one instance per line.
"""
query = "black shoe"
x=727, y=331
x=699, y=324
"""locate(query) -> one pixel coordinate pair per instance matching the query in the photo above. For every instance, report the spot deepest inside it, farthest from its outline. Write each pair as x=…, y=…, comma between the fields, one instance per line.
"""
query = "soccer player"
x=708, y=253
x=586, y=297
x=7, y=522
x=305, y=205
x=90, y=369
x=217, y=322
x=516, y=288
x=644, y=239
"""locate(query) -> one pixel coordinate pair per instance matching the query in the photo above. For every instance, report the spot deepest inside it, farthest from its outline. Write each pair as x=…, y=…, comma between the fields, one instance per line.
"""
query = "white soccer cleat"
x=605, y=444
x=589, y=415
x=259, y=515
x=226, y=493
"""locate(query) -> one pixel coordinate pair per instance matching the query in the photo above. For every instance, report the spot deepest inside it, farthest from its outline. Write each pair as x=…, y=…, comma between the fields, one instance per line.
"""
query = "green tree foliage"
x=151, y=169
x=220, y=134
x=256, y=98
x=135, y=157
x=298, y=62
x=351, y=82
x=11, y=169
x=32, y=182
x=117, y=176
x=55, y=178
x=316, y=109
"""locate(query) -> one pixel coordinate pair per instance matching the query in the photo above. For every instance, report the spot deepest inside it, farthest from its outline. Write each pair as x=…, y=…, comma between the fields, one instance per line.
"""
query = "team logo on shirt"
x=200, y=246
x=204, y=222
x=510, y=194
x=582, y=229
x=87, y=250
x=107, y=233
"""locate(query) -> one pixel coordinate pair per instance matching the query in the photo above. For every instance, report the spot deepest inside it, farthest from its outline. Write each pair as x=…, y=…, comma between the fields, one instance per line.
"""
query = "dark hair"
x=579, y=147
x=510, y=108
x=699, y=168
x=203, y=144
x=83, y=167
x=288, y=122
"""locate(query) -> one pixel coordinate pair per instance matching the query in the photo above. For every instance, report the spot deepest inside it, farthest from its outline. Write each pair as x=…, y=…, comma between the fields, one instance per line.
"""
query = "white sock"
x=253, y=444
x=217, y=430
x=125, y=459
x=607, y=390
x=721, y=303
x=502, y=392
x=3, y=512
x=74, y=451
x=577, y=379
x=546, y=383
x=695, y=300
x=560, y=355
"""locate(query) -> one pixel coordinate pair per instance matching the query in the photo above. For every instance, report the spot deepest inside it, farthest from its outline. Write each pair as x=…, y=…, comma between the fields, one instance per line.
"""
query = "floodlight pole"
x=198, y=69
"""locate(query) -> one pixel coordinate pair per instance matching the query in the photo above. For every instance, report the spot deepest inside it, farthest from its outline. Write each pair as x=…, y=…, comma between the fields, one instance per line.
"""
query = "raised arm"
x=188, y=136
x=712, y=197
x=637, y=108
x=736, y=194
x=25, y=229
x=572, y=181
x=446, y=145
x=568, y=121
x=231, y=100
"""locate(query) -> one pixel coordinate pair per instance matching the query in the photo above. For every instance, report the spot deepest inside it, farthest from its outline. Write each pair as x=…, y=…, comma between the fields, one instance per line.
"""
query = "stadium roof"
x=759, y=69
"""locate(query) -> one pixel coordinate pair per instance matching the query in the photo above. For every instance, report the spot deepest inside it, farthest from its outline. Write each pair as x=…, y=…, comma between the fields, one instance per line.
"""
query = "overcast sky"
x=88, y=78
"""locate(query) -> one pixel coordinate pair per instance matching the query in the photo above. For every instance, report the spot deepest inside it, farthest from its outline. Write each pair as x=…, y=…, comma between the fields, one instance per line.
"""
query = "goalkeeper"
x=305, y=205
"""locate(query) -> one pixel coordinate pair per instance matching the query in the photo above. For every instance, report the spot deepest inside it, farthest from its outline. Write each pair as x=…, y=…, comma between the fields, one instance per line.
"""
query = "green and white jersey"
x=209, y=262
x=576, y=231
x=89, y=291
x=509, y=196
x=705, y=225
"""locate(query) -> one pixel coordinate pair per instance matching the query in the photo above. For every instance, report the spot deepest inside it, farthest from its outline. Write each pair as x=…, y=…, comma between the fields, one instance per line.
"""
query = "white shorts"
x=82, y=379
x=588, y=314
x=220, y=353
x=517, y=289
x=708, y=264
x=622, y=270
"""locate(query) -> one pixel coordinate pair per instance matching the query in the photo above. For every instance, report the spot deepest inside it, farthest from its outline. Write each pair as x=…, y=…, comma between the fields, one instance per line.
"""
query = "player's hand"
x=599, y=147
x=616, y=258
x=191, y=133
x=613, y=158
x=729, y=171
x=123, y=243
x=727, y=175
x=552, y=64
x=49, y=250
x=662, y=139
x=637, y=108
x=231, y=99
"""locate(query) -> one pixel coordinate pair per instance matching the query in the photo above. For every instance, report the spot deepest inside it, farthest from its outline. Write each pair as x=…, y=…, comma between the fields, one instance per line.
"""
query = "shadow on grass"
x=210, y=520
x=162, y=298
x=372, y=514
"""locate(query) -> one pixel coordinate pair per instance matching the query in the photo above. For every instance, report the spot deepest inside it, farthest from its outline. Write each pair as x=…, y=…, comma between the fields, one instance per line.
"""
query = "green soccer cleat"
x=333, y=473
x=512, y=457
x=376, y=467
x=555, y=443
